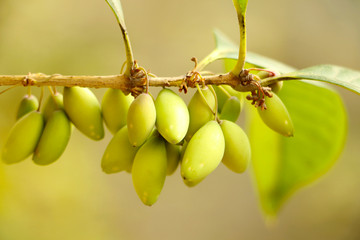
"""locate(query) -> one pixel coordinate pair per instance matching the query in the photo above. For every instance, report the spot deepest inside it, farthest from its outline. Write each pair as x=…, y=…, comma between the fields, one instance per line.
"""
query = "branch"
x=123, y=82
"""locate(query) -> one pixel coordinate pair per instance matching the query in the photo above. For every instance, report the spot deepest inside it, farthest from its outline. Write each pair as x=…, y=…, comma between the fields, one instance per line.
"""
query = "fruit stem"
x=9, y=88
x=203, y=97
x=51, y=91
x=41, y=98
x=29, y=91
x=224, y=91
x=122, y=67
x=216, y=101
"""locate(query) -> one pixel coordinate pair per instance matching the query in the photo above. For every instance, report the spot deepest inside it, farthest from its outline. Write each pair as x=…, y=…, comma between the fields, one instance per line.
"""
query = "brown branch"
x=119, y=81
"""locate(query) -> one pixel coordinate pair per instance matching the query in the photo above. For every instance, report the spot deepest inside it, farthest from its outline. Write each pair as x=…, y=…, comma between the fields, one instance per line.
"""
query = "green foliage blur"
x=74, y=199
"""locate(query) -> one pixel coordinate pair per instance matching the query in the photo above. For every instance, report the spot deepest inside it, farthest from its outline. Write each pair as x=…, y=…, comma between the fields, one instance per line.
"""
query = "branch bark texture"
x=121, y=81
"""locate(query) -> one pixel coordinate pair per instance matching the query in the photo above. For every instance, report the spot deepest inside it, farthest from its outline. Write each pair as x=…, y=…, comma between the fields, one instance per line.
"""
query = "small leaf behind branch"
x=226, y=49
x=282, y=165
x=240, y=6
x=115, y=6
x=343, y=77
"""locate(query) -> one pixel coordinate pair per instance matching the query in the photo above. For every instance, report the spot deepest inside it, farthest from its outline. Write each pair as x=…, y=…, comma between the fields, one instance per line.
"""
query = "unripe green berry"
x=231, y=109
x=173, y=157
x=276, y=116
x=119, y=154
x=84, y=111
x=141, y=119
x=23, y=138
x=149, y=170
x=53, y=103
x=172, y=116
x=54, y=138
x=28, y=104
x=199, y=111
x=237, y=147
x=203, y=153
x=115, y=106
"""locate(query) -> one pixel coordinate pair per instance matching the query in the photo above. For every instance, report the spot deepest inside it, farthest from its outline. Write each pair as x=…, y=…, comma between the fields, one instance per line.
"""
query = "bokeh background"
x=73, y=199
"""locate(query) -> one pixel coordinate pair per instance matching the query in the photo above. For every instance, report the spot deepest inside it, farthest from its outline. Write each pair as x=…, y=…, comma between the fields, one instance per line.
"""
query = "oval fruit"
x=276, y=87
x=115, y=106
x=231, y=110
x=119, y=154
x=199, y=111
x=28, y=104
x=276, y=116
x=149, y=170
x=221, y=97
x=172, y=116
x=173, y=157
x=203, y=153
x=141, y=119
x=54, y=139
x=53, y=103
x=83, y=109
x=237, y=147
x=235, y=93
x=193, y=183
x=23, y=138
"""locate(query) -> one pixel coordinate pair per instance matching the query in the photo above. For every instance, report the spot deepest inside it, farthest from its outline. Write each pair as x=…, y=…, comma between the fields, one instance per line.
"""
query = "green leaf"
x=343, y=77
x=226, y=49
x=240, y=6
x=283, y=165
x=115, y=6
x=265, y=62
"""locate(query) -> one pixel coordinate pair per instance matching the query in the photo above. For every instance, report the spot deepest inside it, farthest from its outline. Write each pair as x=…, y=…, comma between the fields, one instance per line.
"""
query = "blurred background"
x=74, y=199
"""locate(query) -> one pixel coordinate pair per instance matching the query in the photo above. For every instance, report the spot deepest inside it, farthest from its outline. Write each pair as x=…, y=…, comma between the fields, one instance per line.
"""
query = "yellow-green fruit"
x=23, y=138
x=28, y=104
x=199, y=111
x=149, y=170
x=173, y=157
x=237, y=147
x=193, y=183
x=53, y=103
x=276, y=116
x=54, y=138
x=172, y=116
x=119, y=154
x=221, y=97
x=182, y=152
x=83, y=109
x=235, y=93
x=231, y=110
x=203, y=152
x=141, y=119
x=115, y=106
x=276, y=87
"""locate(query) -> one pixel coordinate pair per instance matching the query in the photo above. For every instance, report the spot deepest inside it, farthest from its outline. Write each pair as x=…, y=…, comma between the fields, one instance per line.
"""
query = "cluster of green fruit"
x=150, y=138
